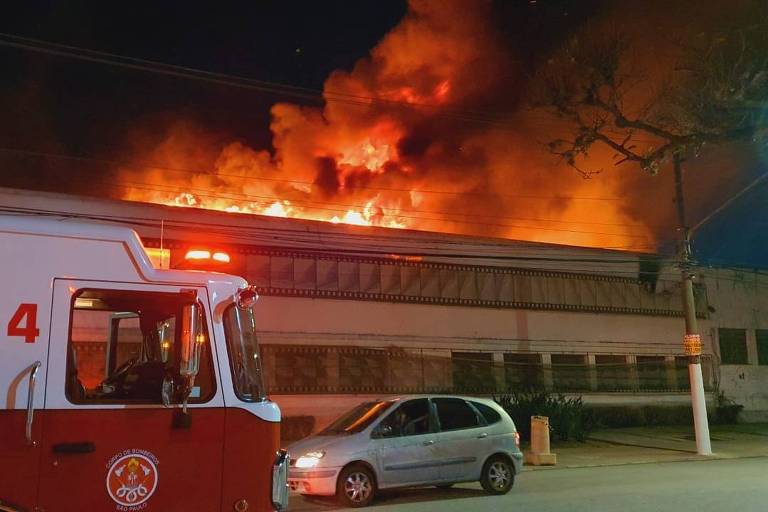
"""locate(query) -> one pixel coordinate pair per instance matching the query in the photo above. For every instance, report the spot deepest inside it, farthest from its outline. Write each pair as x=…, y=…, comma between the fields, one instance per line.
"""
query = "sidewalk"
x=658, y=444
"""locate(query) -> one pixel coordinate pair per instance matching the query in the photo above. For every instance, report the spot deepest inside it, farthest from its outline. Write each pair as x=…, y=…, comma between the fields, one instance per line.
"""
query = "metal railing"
x=338, y=370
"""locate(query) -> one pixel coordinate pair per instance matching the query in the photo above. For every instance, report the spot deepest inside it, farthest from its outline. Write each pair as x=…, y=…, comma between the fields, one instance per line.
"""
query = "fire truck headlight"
x=309, y=460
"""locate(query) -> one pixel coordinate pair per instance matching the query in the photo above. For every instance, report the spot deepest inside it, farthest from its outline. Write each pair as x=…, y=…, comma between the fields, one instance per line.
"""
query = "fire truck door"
x=108, y=440
x=23, y=355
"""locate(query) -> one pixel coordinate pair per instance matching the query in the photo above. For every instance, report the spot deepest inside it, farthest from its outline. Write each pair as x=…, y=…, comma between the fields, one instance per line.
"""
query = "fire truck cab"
x=126, y=387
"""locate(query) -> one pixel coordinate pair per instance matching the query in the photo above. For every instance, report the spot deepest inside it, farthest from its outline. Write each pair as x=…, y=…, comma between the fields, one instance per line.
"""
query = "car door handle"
x=428, y=443
x=483, y=435
x=81, y=447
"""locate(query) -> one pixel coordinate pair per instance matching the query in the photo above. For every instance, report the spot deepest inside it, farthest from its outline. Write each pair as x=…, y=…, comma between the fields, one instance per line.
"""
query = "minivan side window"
x=410, y=419
x=489, y=413
x=454, y=414
x=124, y=343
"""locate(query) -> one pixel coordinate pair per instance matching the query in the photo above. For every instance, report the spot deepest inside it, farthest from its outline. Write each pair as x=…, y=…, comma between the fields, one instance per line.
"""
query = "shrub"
x=641, y=416
x=568, y=418
x=726, y=410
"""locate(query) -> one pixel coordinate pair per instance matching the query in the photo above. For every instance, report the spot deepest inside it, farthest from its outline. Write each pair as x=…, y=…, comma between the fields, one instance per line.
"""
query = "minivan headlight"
x=310, y=459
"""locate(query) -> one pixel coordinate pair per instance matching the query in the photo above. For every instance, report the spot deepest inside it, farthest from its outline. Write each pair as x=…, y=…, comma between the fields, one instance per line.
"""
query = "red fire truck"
x=127, y=387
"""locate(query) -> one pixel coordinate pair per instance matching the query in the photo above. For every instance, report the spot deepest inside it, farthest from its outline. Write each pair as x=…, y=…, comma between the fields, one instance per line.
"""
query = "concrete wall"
x=739, y=300
x=304, y=321
x=380, y=324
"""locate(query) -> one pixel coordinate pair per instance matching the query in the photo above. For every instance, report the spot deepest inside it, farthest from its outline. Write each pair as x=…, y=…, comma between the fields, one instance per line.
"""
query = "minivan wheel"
x=498, y=475
x=356, y=486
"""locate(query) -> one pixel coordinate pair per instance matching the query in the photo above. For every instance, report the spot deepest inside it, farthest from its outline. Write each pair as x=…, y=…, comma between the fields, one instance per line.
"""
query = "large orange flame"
x=398, y=144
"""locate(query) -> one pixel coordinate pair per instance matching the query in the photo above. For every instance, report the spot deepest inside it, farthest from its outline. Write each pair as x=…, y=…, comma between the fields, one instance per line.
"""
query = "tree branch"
x=621, y=121
x=619, y=148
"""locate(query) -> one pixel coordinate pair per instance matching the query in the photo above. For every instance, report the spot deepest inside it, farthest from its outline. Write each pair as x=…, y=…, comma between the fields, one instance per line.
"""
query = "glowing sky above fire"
x=422, y=124
x=397, y=144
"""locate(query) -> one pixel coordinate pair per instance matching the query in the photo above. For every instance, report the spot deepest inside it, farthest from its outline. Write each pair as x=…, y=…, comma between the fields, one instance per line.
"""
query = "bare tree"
x=716, y=91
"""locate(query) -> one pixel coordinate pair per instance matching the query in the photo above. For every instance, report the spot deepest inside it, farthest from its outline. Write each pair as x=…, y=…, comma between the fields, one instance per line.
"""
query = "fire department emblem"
x=132, y=477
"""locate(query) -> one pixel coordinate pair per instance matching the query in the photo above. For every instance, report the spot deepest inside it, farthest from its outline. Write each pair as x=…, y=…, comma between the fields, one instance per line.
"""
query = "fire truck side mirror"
x=192, y=340
x=172, y=392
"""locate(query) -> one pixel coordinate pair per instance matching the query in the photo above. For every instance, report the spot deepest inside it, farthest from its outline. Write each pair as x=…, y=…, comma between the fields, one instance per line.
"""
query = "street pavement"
x=701, y=486
x=636, y=469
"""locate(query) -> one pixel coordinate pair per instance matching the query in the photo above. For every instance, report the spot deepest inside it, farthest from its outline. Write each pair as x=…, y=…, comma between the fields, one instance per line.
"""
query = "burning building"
x=409, y=234
x=349, y=312
x=427, y=133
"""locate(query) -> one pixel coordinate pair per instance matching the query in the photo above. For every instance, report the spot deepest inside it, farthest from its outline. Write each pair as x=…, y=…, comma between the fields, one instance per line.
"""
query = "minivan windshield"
x=358, y=418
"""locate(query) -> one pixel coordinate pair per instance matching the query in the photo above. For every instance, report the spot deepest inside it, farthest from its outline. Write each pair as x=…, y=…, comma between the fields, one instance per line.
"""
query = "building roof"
x=153, y=221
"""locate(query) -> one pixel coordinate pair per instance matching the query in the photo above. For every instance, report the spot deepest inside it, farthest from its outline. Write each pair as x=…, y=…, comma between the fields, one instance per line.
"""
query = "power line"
x=89, y=55
x=490, y=118
x=205, y=193
x=125, y=163
x=460, y=240
x=146, y=65
x=308, y=203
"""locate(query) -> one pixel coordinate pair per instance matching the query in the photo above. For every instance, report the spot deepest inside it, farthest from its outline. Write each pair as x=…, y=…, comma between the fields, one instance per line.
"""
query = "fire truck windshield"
x=244, y=357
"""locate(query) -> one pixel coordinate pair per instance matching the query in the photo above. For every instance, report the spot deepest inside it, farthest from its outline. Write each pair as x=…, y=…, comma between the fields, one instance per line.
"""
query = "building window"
x=472, y=372
x=652, y=373
x=612, y=373
x=761, y=336
x=523, y=372
x=570, y=372
x=733, y=346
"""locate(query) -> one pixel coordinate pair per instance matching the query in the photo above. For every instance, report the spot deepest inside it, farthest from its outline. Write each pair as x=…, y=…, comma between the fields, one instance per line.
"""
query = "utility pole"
x=692, y=339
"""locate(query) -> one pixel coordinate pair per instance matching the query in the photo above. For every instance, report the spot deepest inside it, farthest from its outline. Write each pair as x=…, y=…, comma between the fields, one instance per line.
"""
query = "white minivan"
x=408, y=441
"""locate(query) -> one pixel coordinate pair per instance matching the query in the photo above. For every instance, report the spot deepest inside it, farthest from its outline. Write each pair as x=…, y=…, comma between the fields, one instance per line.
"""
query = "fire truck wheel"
x=356, y=486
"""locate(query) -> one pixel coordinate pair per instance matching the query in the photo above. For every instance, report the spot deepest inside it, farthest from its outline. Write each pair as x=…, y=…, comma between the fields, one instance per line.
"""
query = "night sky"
x=90, y=106
x=56, y=105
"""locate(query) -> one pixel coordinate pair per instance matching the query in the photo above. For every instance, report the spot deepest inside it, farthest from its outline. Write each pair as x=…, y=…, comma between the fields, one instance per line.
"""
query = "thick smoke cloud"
x=407, y=138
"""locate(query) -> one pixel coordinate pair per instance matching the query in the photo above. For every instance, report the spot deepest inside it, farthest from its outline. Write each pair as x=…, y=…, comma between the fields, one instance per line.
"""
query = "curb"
x=647, y=446
x=696, y=458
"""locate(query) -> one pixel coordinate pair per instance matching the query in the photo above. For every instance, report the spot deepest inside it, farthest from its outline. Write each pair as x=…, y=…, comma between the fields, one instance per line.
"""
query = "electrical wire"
x=391, y=235
x=210, y=194
x=151, y=165
x=86, y=54
x=264, y=86
x=145, y=65
x=318, y=205
x=491, y=118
